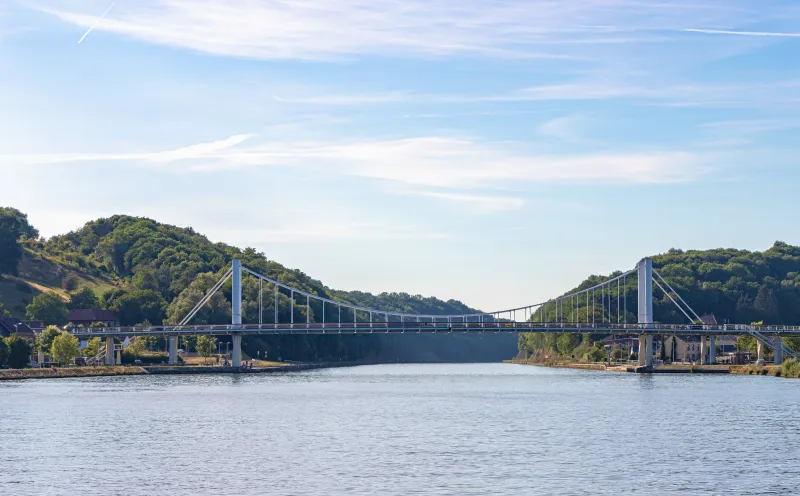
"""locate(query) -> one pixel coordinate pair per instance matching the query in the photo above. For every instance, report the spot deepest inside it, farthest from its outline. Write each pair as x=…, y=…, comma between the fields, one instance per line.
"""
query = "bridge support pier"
x=778, y=350
x=236, y=352
x=646, y=350
x=109, y=351
x=712, y=350
x=759, y=349
x=703, y=350
x=173, y=350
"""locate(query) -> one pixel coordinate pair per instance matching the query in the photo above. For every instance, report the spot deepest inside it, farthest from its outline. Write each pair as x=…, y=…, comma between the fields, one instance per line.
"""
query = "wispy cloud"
x=769, y=34
x=434, y=162
x=565, y=128
x=324, y=30
x=480, y=204
x=637, y=91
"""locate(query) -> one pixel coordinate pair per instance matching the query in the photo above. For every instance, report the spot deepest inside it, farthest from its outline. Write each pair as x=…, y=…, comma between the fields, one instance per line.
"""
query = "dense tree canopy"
x=735, y=286
x=19, y=352
x=65, y=348
x=49, y=308
x=44, y=341
x=3, y=352
x=19, y=221
x=84, y=298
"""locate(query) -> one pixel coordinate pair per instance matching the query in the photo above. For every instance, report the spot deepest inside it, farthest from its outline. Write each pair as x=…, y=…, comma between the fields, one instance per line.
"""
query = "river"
x=402, y=430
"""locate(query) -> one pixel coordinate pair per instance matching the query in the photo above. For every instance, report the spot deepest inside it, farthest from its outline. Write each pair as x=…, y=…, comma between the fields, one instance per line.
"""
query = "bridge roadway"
x=436, y=328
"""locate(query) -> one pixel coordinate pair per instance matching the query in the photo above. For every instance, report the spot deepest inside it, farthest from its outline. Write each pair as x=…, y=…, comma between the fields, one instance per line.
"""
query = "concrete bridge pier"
x=236, y=351
x=173, y=350
x=759, y=349
x=110, y=351
x=646, y=350
x=703, y=350
x=778, y=350
x=712, y=350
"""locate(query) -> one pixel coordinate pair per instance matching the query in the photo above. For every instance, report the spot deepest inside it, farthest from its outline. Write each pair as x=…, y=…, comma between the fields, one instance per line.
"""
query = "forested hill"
x=736, y=286
x=176, y=262
x=148, y=272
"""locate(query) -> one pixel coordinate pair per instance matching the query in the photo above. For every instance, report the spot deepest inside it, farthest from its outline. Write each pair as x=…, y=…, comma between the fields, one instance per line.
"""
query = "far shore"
x=764, y=370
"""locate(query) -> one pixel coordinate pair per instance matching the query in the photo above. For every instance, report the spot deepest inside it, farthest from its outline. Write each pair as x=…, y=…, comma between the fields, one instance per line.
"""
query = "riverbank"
x=661, y=369
x=68, y=372
x=77, y=372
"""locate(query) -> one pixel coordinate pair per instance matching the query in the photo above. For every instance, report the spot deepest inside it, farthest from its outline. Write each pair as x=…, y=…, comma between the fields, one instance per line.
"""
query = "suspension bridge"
x=600, y=309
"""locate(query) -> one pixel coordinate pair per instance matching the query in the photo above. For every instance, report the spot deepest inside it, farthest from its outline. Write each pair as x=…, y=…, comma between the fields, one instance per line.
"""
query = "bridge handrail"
x=758, y=331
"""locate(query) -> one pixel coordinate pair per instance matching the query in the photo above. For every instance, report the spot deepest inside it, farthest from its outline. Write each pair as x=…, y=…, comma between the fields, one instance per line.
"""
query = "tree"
x=566, y=343
x=3, y=311
x=10, y=250
x=138, y=345
x=84, y=298
x=139, y=306
x=70, y=283
x=3, y=352
x=49, y=308
x=746, y=343
x=92, y=348
x=205, y=345
x=19, y=221
x=616, y=352
x=65, y=348
x=44, y=342
x=19, y=352
x=767, y=304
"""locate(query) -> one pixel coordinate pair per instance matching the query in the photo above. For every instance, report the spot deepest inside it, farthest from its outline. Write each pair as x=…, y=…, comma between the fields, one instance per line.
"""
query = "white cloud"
x=433, y=162
x=565, y=128
x=270, y=29
x=480, y=204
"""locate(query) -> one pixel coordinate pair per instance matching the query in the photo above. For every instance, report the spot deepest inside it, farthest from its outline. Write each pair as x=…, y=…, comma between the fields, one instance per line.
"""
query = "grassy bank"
x=566, y=364
x=790, y=369
x=54, y=373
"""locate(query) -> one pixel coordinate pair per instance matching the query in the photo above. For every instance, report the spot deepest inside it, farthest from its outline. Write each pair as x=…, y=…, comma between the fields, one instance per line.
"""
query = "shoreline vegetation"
x=789, y=369
x=103, y=371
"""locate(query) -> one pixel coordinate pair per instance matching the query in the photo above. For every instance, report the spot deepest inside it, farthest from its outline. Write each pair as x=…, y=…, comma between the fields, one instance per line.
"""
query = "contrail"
x=99, y=19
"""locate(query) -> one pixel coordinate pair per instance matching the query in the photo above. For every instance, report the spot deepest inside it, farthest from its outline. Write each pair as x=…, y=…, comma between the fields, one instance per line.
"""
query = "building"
x=35, y=325
x=87, y=317
x=9, y=326
x=689, y=348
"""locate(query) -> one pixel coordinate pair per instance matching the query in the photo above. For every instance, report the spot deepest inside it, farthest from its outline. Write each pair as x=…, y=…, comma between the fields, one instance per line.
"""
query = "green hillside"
x=736, y=286
x=148, y=272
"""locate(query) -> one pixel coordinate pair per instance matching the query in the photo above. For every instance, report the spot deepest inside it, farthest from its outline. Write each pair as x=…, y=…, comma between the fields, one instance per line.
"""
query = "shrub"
x=70, y=283
x=790, y=368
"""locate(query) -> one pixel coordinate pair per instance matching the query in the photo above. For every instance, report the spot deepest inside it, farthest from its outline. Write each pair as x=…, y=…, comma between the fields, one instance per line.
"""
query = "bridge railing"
x=507, y=326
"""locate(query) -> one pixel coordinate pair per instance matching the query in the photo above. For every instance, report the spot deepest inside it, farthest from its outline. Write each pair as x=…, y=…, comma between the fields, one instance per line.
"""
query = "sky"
x=496, y=152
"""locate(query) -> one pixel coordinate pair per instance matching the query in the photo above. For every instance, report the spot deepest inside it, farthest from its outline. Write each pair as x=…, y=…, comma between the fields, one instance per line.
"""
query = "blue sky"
x=493, y=152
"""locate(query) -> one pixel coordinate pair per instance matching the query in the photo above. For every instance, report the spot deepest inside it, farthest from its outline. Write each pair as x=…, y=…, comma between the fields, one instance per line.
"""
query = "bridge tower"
x=236, y=312
x=645, y=311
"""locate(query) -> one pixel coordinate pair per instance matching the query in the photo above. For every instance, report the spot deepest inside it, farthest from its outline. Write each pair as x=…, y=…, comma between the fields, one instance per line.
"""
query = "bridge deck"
x=438, y=327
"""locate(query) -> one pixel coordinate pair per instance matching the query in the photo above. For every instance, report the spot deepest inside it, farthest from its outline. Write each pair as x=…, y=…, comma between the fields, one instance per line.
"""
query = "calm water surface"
x=401, y=430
